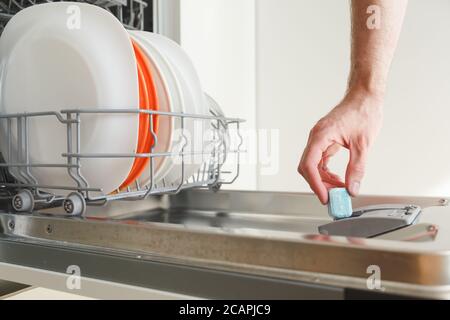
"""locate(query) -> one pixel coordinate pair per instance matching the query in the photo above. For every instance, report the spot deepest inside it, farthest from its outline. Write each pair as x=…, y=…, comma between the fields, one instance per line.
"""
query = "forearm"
x=355, y=122
x=373, y=43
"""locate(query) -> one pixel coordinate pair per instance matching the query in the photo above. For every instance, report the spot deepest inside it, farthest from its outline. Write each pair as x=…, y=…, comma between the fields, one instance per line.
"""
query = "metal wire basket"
x=27, y=193
x=129, y=12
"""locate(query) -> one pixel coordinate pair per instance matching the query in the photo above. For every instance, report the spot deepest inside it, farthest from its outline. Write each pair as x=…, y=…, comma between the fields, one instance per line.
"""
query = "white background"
x=283, y=64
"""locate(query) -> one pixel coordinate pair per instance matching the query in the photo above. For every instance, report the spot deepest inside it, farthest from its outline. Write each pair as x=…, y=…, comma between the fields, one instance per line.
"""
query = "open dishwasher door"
x=227, y=244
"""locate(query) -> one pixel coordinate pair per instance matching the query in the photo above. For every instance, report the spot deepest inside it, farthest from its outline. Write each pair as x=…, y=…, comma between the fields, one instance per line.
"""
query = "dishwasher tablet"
x=339, y=203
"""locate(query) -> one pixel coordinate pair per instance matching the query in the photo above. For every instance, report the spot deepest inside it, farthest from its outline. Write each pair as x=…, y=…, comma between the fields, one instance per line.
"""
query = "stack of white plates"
x=50, y=62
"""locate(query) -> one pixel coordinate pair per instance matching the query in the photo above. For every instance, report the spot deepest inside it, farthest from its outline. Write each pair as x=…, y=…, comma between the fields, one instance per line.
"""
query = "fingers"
x=355, y=169
x=330, y=179
x=309, y=167
x=330, y=152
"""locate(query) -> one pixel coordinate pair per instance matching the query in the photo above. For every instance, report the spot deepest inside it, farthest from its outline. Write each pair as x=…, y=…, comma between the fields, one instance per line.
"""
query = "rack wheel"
x=23, y=201
x=74, y=204
x=215, y=187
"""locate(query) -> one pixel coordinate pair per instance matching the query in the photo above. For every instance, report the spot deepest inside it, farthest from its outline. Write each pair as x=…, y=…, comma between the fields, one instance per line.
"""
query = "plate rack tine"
x=28, y=194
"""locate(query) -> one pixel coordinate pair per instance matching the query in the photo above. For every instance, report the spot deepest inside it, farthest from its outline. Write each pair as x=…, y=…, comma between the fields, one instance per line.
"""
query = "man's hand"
x=355, y=122
x=352, y=124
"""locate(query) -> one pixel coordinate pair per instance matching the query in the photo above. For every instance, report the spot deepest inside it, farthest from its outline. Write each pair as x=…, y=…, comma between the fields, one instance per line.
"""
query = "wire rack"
x=129, y=12
x=27, y=193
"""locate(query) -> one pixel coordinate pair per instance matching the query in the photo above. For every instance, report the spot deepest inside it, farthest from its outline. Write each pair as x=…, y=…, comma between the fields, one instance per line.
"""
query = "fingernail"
x=354, y=188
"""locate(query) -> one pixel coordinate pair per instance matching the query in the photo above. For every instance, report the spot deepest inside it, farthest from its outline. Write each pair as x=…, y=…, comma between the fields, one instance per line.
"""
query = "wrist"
x=362, y=93
x=363, y=101
x=375, y=92
x=368, y=82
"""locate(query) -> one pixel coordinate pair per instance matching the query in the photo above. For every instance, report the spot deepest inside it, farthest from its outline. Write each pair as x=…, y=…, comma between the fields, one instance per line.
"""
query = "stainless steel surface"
x=120, y=276
x=18, y=165
x=372, y=221
x=256, y=233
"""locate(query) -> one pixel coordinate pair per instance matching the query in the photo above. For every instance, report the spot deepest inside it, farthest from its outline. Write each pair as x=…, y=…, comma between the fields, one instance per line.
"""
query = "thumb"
x=355, y=169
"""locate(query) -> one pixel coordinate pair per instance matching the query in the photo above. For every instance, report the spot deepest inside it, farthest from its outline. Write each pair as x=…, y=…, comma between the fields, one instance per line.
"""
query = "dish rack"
x=26, y=194
x=129, y=12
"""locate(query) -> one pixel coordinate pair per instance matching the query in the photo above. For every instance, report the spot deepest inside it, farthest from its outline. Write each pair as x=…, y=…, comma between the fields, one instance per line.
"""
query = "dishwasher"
x=196, y=239
x=193, y=239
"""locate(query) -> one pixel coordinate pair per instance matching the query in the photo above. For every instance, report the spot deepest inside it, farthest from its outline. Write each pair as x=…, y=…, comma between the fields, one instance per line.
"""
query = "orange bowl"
x=148, y=100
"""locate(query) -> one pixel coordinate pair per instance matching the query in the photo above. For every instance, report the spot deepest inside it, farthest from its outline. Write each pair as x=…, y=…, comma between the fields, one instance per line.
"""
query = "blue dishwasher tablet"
x=339, y=203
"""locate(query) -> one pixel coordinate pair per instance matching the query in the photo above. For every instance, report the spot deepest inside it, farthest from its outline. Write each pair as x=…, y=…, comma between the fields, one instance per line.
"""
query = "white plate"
x=166, y=175
x=193, y=102
x=49, y=65
x=169, y=99
x=186, y=71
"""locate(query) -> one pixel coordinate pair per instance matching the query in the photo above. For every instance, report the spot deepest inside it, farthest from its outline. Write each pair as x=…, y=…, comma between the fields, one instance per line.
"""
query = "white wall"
x=283, y=64
x=219, y=35
x=302, y=65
